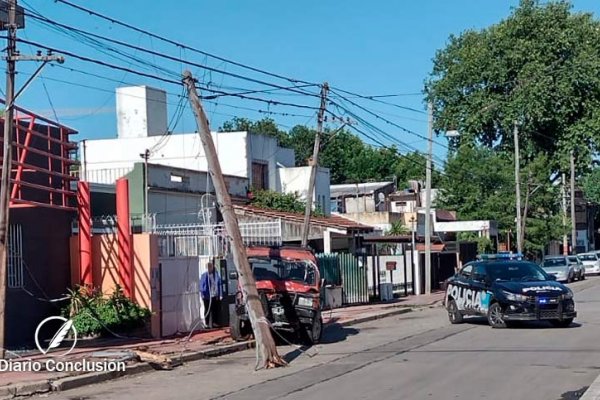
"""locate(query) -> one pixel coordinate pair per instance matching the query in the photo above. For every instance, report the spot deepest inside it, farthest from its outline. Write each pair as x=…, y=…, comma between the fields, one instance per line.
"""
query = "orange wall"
x=105, y=274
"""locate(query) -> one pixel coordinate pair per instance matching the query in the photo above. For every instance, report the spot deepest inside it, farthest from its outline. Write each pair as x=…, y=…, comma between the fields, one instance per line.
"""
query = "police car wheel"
x=495, y=317
x=454, y=314
x=565, y=323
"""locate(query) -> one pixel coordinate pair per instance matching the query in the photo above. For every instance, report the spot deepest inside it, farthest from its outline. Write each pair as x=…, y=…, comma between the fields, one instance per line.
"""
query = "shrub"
x=92, y=313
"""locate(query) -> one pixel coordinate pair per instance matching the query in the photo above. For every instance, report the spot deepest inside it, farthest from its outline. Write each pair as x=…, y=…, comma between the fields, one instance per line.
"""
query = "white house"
x=142, y=133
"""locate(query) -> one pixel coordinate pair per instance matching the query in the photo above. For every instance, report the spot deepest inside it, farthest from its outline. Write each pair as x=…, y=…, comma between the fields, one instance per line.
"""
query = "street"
x=413, y=356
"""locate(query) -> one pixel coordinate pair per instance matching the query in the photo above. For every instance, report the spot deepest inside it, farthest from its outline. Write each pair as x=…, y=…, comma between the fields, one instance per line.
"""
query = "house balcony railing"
x=106, y=176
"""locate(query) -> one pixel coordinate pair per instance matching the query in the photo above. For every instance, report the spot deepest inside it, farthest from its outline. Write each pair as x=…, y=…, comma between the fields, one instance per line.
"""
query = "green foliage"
x=287, y=202
x=591, y=186
x=484, y=245
x=397, y=229
x=479, y=184
x=540, y=67
x=92, y=313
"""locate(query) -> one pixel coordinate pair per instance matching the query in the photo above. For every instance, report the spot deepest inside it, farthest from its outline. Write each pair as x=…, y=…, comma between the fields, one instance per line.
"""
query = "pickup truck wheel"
x=241, y=330
x=454, y=314
x=312, y=333
x=495, y=316
x=565, y=323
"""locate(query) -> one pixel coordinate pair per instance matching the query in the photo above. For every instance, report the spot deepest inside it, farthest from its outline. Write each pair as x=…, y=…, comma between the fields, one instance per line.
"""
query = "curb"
x=593, y=392
x=73, y=382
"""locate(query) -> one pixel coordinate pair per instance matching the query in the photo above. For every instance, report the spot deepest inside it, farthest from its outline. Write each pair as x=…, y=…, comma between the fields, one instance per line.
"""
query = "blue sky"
x=372, y=48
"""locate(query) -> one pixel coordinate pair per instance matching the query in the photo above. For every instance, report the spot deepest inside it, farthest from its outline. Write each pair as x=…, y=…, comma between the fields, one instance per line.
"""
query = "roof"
x=353, y=189
x=334, y=221
x=445, y=215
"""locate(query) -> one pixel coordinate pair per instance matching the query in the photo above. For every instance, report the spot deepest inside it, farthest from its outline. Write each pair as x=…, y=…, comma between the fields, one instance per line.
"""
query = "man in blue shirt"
x=211, y=291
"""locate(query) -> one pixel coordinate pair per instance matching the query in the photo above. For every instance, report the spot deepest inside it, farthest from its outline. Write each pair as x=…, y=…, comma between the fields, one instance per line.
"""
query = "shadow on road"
x=573, y=395
x=521, y=324
x=337, y=333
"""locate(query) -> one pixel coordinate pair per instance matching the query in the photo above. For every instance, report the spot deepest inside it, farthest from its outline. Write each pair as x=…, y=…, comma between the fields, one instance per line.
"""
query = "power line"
x=172, y=58
x=375, y=99
x=181, y=45
x=384, y=119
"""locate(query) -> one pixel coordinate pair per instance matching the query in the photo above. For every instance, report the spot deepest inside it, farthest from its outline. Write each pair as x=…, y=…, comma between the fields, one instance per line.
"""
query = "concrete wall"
x=396, y=277
x=295, y=180
x=105, y=272
x=141, y=111
x=109, y=159
x=45, y=235
x=381, y=220
x=175, y=195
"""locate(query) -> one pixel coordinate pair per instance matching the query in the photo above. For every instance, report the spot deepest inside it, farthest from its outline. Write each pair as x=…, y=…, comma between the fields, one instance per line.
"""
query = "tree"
x=539, y=67
x=265, y=126
x=591, y=186
x=397, y=229
x=478, y=183
x=287, y=202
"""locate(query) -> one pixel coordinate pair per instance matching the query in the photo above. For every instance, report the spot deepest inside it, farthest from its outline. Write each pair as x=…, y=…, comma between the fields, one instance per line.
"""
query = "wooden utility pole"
x=573, y=216
x=518, y=189
x=314, y=165
x=428, y=200
x=12, y=56
x=5, y=188
x=265, y=345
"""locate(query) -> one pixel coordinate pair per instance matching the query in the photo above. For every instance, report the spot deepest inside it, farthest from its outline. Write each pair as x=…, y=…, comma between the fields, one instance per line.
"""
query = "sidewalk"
x=174, y=351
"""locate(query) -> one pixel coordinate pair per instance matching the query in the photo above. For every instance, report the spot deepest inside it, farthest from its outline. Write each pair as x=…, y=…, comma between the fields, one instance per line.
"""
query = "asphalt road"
x=418, y=355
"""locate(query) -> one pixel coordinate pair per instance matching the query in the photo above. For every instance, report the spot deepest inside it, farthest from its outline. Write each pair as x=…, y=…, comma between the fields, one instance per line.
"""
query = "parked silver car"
x=560, y=267
x=591, y=262
x=579, y=267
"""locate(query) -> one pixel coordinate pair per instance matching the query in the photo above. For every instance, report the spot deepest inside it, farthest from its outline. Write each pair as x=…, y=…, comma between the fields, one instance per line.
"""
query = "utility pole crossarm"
x=314, y=165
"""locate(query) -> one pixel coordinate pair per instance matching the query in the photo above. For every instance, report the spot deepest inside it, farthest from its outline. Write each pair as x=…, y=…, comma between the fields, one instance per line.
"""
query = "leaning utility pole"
x=12, y=56
x=518, y=189
x=314, y=164
x=573, y=216
x=428, y=200
x=265, y=345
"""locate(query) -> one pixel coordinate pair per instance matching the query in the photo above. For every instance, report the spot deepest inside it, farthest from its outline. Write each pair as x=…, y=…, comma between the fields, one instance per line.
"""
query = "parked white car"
x=591, y=261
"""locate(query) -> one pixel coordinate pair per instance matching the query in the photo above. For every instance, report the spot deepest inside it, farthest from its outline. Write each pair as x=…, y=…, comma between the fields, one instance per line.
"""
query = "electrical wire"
x=180, y=45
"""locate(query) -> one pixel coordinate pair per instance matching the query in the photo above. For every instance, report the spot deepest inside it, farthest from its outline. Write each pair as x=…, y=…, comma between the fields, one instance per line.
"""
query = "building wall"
x=176, y=195
x=109, y=159
x=45, y=237
x=105, y=271
x=141, y=111
x=295, y=180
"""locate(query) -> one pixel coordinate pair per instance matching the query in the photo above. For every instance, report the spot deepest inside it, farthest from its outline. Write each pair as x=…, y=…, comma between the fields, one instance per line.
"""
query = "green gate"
x=348, y=271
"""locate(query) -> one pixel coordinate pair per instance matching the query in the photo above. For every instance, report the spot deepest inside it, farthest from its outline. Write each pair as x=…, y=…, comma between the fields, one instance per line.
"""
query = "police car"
x=507, y=288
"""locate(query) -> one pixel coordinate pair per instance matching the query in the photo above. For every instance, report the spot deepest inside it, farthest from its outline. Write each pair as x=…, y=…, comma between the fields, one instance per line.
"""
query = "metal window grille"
x=15, y=257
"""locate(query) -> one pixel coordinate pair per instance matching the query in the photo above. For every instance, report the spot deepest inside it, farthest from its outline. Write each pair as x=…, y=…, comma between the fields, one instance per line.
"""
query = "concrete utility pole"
x=265, y=345
x=573, y=216
x=145, y=155
x=518, y=189
x=314, y=165
x=428, y=201
x=564, y=209
x=12, y=56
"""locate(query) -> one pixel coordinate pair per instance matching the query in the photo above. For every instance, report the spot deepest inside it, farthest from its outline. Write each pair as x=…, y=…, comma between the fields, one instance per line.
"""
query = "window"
x=466, y=271
x=15, y=257
x=479, y=271
x=260, y=175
